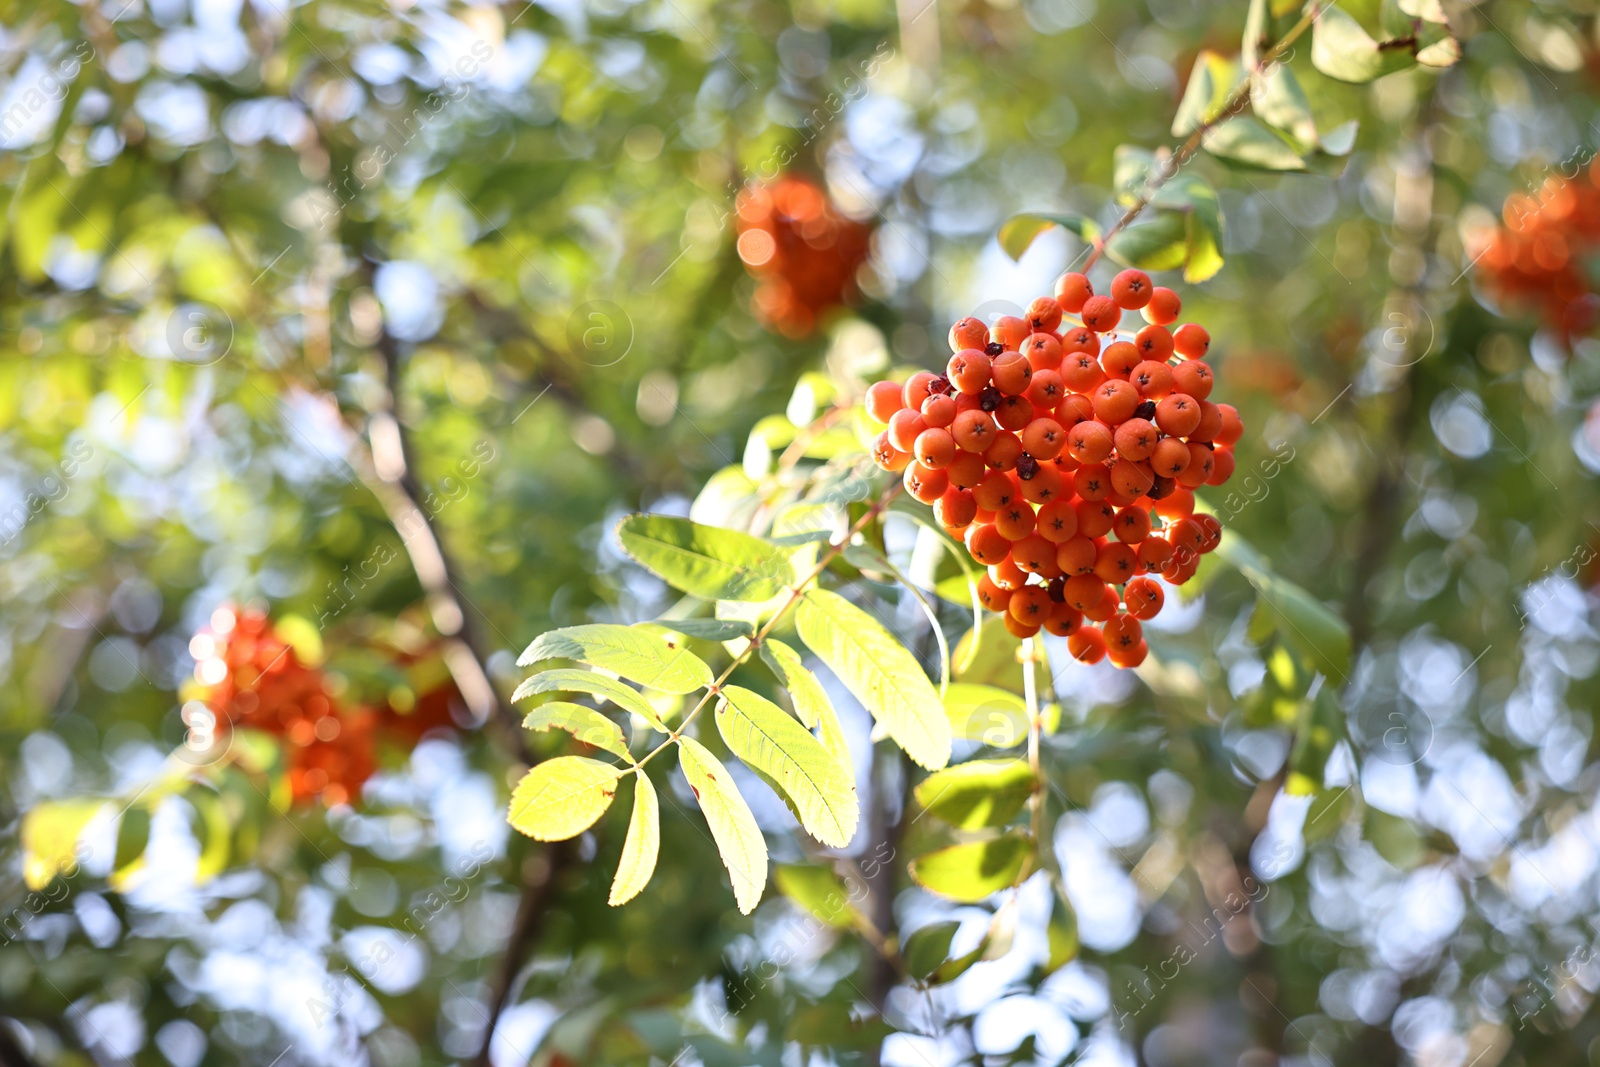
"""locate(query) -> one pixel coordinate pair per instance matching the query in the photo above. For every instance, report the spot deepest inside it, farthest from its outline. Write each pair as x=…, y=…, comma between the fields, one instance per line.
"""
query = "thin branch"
x=12, y=1054
x=525, y=930
x=1232, y=106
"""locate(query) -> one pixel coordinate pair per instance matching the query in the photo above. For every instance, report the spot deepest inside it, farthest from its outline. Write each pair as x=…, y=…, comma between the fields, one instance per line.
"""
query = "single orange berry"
x=1163, y=307
x=917, y=388
x=1153, y=380
x=1100, y=314
x=956, y=508
x=1169, y=458
x=1115, y=563
x=966, y=470
x=1044, y=315
x=1132, y=525
x=1057, y=521
x=1210, y=423
x=924, y=483
x=968, y=333
x=995, y=491
x=1043, y=439
x=1232, y=425
x=1094, y=517
x=1031, y=605
x=1072, y=289
x=1007, y=575
x=885, y=455
x=968, y=370
x=905, y=426
x=1131, y=289
x=1015, y=521
x=1119, y=359
x=1013, y=413
x=1199, y=469
x=1122, y=631
x=1019, y=629
x=935, y=448
x=974, y=431
x=1043, y=351
x=1143, y=597
x=987, y=544
x=1131, y=479
x=1087, y=646
x=1128, y=658
x=1135, y=439
x=1034, y=554
x=1178, y=414
x=884, y=399
x=991, y=595
x=1115, y=401
x=1064, y=620
x=1009, y=332
x=1045, y=486
x=1154, y=552
x=1221, y=466
x=939, y=411
x=1092, y=481
x=1046, y=390
x=1154, y=343
x=1076, y=555
x=1003, y=454
x=1010, y=372
x=1191, y=341
x=1192, y=377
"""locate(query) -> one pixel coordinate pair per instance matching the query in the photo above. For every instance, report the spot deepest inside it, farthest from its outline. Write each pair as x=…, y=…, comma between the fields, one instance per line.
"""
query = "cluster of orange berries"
x=802, y=251
x=1539, y=257
x=253, y=678
x=1066, y=454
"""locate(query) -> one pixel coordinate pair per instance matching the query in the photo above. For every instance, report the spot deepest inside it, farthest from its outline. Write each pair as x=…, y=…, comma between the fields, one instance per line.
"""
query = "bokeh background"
x=337, y=335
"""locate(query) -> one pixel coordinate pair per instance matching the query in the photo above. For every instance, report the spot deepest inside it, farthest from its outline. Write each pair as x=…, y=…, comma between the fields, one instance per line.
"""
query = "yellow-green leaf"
x=760, y=733
x=707, y=561
x=572, y=680
x=585, y=724
x=562, y=797
x=49, y=837
x=882, y=674
x=1211, y=81
x=818, y=891
x=1019, y=231
x=985, y=713
x=811, y=701
x=733, y=827
x=643, y=843
x=643, y=654
x=972, y=871
x=977, y=794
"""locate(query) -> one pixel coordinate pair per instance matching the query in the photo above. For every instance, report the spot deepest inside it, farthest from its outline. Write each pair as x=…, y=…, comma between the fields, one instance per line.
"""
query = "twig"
x=1186, y=151
x=525, y=930
x=12, y=1053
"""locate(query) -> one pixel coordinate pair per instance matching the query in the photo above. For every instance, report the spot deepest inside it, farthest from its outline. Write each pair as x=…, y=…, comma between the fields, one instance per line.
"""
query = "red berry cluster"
x=801, y=250
x=254, y=679
x=1539, y=257
x=1066, y=453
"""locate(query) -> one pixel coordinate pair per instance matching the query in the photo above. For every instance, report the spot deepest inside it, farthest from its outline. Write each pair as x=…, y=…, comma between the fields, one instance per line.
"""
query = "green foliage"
x=584, y=724
x=879, y=671
x=821, y=790
x=739, y=840
x=971, y=871
x=978, y=793
x=639, y=654
x=562, y=797
x=703, y=560
x=642, y=846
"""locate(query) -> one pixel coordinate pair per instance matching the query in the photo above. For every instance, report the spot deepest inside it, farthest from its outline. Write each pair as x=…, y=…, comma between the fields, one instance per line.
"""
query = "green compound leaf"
x=811, y=701
x=645, y=655
x=1309, y=625
x=643, y=843
x=706, y=561
x=585, y=724
x=970, y=872
x=765, y=737
x=927, y=948
x=573, y=680
x=708, y=629
x=733, y=827
x=562, y=797
x=978, y=794
x=880, y=672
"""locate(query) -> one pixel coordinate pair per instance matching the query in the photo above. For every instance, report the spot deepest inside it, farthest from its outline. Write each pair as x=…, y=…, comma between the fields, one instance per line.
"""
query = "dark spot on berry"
x=1161, y=488
x=989, y=399
x=1027, y=467
x=993, y=348
x=940, y=386
x=1057, y=590
x=1146, y=410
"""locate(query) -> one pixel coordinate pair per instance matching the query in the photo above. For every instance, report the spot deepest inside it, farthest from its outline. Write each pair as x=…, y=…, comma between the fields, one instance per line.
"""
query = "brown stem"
x=539, y=886
x=12, y=1053
x=1186, y=151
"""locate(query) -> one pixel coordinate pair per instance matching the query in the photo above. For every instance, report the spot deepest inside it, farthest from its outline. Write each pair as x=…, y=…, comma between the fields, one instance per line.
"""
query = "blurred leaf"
x=763, y=736
x=1277, y=100
x=927, y=948
x=968, y=873
x=1061, y=936
x=987, y=655
x=1249, y=143
x=878, y=670
x=834, y=1026
x=978, y=793
x=733, y=827
x=987, y=713
x=1212, y=80
x=1162, y=243
x=643, y=843
x=133, y=837
x=818, y=891
x=1309, y=625
x=573, y=680
x=49, y=837
x=562, y=797
x=584, y=724
x=706, y=561
x=1257, y=30
x=1018, y=232
x=640, y=655
x=1328, y=811
x=1131, y=167
x=1342, y=48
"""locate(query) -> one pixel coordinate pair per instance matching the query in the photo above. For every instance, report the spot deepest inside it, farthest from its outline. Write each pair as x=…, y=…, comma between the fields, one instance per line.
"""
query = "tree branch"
x=1186, y=151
